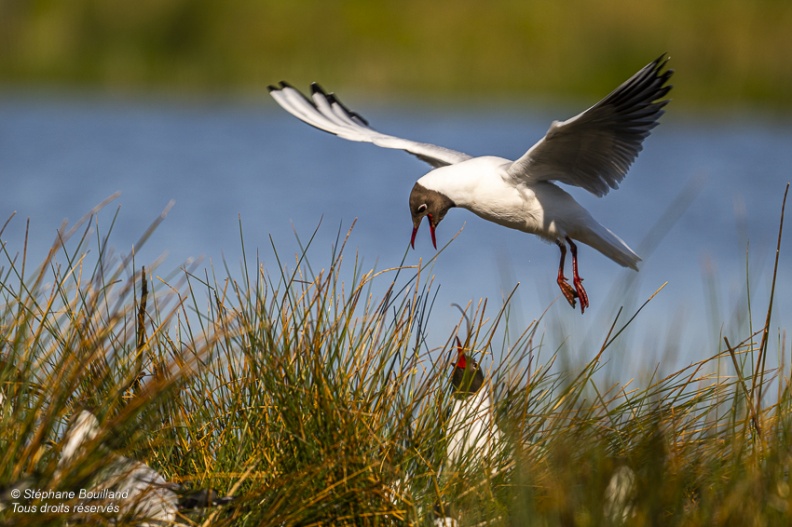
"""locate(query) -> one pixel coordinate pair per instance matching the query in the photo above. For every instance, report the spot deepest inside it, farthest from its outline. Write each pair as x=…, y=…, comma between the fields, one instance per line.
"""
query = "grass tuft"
x=308, y=392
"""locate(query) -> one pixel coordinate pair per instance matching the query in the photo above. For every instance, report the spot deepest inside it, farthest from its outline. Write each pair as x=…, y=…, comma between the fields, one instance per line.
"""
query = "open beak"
x=431, y=231
x=461, y=361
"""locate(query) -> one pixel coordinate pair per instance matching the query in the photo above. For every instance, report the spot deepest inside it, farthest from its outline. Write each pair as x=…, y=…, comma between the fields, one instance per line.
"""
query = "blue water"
x=226, y=160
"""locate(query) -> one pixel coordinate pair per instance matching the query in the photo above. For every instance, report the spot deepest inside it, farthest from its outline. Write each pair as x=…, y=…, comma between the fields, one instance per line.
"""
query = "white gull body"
x=593, y=150
x=474, y=435
x=484, y=186
x=148, y=498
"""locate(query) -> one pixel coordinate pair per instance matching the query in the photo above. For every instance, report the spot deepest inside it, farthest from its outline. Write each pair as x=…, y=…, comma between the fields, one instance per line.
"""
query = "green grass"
x=311, y=396
x=726, y=53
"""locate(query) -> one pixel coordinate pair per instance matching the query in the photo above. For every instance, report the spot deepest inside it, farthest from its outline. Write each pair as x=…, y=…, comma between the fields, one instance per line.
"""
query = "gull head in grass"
x=592, y=150
x=467, y=377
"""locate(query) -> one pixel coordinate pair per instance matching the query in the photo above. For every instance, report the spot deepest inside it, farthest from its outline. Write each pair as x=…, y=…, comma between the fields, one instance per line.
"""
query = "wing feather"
x=324, y=111
x=594, y=150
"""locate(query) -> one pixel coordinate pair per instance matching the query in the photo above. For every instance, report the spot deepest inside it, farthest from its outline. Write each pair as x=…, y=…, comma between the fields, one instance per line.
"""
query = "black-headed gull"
x=592, y=150
x=141, y=493
x=473, y=433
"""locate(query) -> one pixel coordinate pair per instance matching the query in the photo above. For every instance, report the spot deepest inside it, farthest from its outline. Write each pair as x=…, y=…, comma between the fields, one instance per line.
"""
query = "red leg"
x=580, y=292
x=566, y=289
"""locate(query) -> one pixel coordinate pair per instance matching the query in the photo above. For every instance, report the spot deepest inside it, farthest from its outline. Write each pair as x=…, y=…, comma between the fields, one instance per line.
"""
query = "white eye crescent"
x=422, y=208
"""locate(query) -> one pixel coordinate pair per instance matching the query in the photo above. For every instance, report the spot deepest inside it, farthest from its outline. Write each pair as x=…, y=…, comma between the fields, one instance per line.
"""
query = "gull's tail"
x=610, y=245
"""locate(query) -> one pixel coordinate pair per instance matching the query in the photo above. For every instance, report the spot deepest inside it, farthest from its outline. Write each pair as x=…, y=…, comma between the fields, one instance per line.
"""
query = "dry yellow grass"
x=316, y=402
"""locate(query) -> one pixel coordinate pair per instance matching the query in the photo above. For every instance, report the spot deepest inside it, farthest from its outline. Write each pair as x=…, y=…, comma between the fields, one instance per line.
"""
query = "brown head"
x=467, y=377
x=429, y=203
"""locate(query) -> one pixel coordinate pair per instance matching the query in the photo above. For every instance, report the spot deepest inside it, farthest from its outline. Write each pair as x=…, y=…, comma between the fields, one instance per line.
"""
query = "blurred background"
x=732, y=52
x=166, y=100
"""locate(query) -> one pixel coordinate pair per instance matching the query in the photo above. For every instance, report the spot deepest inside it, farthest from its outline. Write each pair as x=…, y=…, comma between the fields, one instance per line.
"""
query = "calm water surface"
x=230, y=160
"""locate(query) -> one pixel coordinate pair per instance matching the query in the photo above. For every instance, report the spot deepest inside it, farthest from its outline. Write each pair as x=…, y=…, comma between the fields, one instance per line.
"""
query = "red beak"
x=461, y=360
x=431, y=231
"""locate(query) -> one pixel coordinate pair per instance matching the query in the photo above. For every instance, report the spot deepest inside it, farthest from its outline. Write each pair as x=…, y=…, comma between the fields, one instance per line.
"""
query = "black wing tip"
x=359, y=117
x=281, y=85
x=317, y=88
x=650, y=83
x=662, y=59
x=658, y=65
x=331, y=98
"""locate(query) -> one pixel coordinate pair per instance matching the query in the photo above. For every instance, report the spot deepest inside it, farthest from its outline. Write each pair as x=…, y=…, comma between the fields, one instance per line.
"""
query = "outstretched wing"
x=594, y=150
x=325, y=112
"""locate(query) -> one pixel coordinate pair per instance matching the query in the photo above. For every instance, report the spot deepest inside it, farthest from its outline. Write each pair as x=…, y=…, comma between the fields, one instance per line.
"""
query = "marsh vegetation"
x=315, y=400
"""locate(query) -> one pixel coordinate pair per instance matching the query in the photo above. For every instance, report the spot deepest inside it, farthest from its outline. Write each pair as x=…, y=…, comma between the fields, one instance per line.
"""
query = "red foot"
x=580, y=292
x=569, y=293
x=566, y=289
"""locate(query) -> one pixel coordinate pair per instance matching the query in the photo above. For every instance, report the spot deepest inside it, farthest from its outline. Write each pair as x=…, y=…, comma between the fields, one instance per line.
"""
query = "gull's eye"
x=422, y=208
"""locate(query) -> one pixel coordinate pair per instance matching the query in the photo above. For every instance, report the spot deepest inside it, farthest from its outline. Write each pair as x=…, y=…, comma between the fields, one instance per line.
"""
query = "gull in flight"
x=593, y=150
